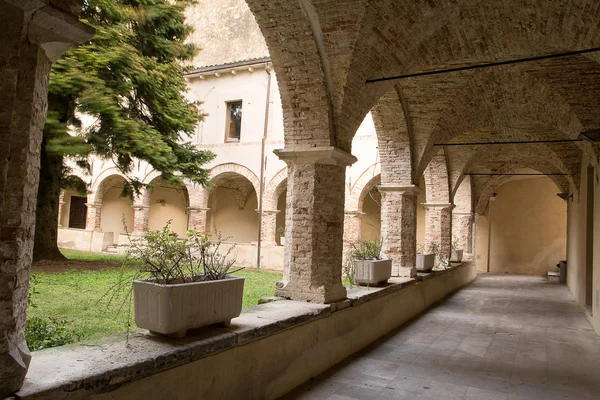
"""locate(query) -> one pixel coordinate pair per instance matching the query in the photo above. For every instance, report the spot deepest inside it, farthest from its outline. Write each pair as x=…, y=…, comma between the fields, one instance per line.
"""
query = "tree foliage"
x=124, y=91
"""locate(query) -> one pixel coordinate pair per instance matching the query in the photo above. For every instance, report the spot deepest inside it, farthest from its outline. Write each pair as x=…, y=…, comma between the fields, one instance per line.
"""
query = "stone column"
x=197, y=219
x=462, y=231
x=34, y=34
x=438, y=227
x=141, y=214
x=93, y=217
x=399, y=227
x=352, y=228
x=314, y=224
x=61, y=202
x=269, y=228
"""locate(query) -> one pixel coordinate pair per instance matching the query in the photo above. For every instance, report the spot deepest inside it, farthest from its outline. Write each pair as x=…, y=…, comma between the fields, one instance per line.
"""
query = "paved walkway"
x=502, y=337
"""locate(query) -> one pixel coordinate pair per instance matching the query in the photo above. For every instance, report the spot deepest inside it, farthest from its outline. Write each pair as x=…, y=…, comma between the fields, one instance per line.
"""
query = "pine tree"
x=129, y=79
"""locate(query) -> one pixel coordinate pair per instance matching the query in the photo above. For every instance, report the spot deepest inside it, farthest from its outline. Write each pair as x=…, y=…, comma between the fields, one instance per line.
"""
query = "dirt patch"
x=70, y=265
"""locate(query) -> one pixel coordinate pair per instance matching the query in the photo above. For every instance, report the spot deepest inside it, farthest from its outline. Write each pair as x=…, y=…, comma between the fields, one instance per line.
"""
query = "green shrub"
x=366, y=249
x=43, y=333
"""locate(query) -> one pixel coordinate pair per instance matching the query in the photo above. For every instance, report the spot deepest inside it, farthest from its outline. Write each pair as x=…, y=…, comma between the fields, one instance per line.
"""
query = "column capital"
x=268, y=211
x=462, y=213
x=140, y=207
x=316, y=155
x=408, y=189
x=438, y=205
x=352, y=213
x=93, y=205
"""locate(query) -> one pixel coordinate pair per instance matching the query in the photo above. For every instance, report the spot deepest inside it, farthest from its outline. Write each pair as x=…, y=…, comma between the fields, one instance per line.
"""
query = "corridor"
x=502, y=337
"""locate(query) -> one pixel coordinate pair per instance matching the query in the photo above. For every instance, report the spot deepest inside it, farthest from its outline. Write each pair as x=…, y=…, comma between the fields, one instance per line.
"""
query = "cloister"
x=463, y=96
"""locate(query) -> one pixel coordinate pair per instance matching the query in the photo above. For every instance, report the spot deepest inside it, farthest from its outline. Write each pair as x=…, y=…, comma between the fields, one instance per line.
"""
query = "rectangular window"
x=77, y=212
x=233, y=127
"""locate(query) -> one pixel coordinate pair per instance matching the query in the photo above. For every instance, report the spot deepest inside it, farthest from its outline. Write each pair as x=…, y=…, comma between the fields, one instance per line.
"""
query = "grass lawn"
x=79, y=296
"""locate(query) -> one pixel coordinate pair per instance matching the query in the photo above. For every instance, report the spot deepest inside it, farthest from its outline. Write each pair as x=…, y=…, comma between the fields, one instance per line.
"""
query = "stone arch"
x=304, y=64
x=535, y=156
x=103, y=181
x=436, y=180
x=394, y=139
x=483, y=189
x=110, y=207
x=232, y=202
x=274, y=189
x=224, y=171
x=517, y=105
x=355, y=194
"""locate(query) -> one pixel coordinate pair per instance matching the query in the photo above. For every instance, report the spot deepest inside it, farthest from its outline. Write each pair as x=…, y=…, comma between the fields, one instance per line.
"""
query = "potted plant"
x=183, y=284
x=457, y=253
x=425, y=260
x=370, y=267
x=281, y=234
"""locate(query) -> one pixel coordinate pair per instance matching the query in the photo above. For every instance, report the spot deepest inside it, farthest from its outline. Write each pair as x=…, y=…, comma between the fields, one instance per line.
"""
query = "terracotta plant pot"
x=172, y=310
x=372, y=272
x=457, y=256
x=425, y=262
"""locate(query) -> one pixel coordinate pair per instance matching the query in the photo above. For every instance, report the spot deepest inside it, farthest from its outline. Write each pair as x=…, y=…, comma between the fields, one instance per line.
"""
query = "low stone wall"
x=79, y=239
x=267, y=351
x=244, y=253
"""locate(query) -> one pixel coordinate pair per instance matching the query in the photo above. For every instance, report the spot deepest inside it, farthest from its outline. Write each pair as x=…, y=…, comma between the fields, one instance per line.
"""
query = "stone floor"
x=502, y=337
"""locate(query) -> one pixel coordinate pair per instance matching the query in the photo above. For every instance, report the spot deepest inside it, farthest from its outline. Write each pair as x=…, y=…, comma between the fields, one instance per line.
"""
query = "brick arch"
x=399, y=37
x=244, y=179
x=483, y=188
x=274, y=189
x=437, y=185
x=538, y=157
x=182, y=190
x=519, y=106
x=104, y=181
x=394, y=139
x=306, y=82
x=369, y=178
x=223, y=170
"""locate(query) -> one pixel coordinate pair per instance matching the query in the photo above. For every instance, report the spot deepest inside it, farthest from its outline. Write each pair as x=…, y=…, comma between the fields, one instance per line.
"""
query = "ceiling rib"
x=485, y=65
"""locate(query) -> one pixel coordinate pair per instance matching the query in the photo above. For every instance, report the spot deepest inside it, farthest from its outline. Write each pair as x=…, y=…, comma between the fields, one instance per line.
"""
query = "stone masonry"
x=438, y=222
x=314, y=224
x=399, y=227
x=269, y=227
x=34, y=35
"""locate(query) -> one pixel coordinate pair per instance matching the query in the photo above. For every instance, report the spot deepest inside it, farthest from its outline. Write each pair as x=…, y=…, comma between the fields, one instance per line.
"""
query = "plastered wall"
x=235, y=225
x=116, y=206
x=168, y=204
x=528, y=229
x=577, y=248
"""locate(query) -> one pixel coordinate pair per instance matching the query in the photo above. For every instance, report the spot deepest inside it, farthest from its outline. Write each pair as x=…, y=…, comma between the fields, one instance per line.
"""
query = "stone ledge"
x=109, y=363
x=423, y=276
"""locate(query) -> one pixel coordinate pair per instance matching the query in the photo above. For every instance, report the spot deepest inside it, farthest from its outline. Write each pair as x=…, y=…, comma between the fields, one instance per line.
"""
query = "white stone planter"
x=282, y=240
x=173, y=309
x=425, y=262
x=457, y=256
x=372, y=272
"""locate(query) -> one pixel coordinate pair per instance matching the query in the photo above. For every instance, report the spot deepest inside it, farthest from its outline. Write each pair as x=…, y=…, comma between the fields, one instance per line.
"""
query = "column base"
x=324, y=294
x=13, y=368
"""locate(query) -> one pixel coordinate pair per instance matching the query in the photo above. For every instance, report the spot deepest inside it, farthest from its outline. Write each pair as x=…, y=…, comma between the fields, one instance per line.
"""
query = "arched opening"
x=116, y=211
x=523, y=228
x=168, y=203
x=421, y=198
x=589, y=240
x=233, y=204
x=280, y=218
x=371, y=211
x=73, y=206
